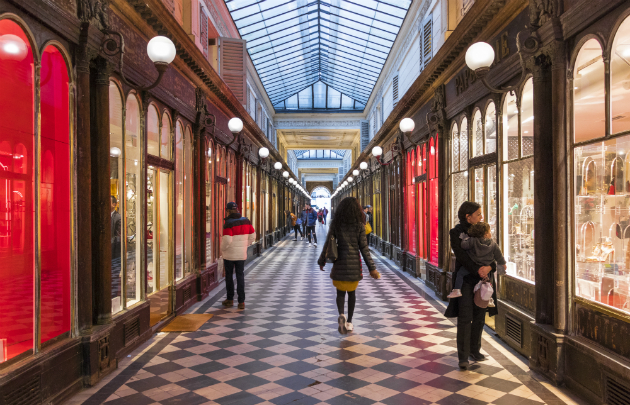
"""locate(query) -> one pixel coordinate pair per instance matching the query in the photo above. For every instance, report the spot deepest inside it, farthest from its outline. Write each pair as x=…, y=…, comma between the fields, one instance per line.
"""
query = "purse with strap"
x=331, y=249
x=368, y=228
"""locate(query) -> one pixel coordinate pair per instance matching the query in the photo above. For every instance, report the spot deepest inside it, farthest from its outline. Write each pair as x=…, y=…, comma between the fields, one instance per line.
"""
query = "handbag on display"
x=368, y=228
x=331, y=249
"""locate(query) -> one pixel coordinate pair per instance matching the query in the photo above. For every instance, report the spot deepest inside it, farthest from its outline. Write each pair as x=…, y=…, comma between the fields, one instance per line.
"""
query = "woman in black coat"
x=470, y=317
x=348, y=228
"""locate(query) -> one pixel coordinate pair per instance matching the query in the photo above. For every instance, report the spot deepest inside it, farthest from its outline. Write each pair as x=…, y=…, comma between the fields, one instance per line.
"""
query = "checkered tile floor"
x=285, y=348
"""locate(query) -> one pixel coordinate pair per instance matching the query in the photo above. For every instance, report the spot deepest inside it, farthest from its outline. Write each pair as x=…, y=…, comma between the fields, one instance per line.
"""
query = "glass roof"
x=319, y=96
x=320, y=154
x=296, y=43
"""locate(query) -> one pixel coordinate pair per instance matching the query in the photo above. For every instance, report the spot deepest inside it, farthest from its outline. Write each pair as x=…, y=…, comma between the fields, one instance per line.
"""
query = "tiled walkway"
x=285, y=348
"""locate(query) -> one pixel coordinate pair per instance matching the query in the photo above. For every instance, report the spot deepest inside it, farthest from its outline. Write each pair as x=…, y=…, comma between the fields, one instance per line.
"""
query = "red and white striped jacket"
x=238, y=234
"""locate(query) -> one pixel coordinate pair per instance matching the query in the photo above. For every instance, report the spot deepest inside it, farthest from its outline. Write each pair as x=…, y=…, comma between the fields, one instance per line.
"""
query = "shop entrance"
x=159, y=243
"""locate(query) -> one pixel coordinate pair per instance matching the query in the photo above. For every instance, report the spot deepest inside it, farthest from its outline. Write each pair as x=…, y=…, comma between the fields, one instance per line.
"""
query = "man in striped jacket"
x=238, y=234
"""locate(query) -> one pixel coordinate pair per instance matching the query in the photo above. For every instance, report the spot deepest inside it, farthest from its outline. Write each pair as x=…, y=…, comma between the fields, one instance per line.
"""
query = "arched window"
x=477, y=145
x=619, y=79
x=132, y=212
x=490, y=128
x=166, y=138
x=188, y=201
x=209, y=178
x=518, y=183
x=433, y=200
x=18, y=165
x=589, y=91
x=463, y=144
x=116, y=178
x=455, y=143
x=153, y=131
x=179, y=200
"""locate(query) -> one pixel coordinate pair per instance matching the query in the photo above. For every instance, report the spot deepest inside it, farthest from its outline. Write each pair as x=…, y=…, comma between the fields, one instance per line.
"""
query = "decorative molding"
x=96, y=11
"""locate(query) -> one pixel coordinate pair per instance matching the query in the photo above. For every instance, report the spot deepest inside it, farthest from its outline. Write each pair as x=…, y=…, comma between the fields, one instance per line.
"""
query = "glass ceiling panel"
x=320, y=154
x=295, y=44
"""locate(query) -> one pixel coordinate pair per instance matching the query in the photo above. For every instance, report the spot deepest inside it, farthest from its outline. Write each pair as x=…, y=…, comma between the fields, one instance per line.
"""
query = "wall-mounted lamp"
x=285, y=174
x=363, y=166
x=480, y=56
x=277, y=166
x=161, y=51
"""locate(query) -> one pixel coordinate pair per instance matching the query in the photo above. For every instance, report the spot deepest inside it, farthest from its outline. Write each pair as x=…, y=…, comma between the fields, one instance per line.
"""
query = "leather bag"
x=331, y=249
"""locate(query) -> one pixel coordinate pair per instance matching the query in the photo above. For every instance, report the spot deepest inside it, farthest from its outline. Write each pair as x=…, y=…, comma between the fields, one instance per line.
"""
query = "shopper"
x=238, y=234
x=320, y=216
x=470, y=317
x=311, y=221
x=304, y=218
x=325, y=215
x=297, y=223
x=348, y=231
x=482, y=250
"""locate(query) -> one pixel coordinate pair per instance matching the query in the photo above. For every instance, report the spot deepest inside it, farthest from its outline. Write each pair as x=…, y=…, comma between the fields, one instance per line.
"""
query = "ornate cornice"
x=293, y=124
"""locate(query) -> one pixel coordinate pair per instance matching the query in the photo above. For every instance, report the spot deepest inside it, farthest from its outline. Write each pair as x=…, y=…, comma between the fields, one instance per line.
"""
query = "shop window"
x=166, y=138
x=132, y=212
x=434, y=201
x=463, y=145
x=527, y=119
x=602, y=182
x=18, y=165
x=188, y=201
x=153, y=131
x=619, y=80
x=179, y=201
x=411, y=202
x=116, y=169
x=477, y=140
x=55, y=203
x=209, y=178
x=455, y=141
x=510, y=127
x=589, y=92
x=518, y=185
x=490, y=129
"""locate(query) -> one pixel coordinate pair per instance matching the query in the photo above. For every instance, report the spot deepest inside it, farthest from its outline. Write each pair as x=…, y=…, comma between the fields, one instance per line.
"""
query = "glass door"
x=159, y=243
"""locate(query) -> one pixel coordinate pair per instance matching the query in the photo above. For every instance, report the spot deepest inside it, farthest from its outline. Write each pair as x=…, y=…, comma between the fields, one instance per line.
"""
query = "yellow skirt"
x=346, y=285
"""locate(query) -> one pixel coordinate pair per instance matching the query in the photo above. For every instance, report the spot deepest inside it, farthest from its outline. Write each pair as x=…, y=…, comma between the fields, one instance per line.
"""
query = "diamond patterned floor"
x=285, y=348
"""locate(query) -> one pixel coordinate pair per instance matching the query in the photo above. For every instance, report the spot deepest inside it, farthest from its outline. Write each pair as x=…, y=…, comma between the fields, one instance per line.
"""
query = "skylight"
x=297, y=43
x=320, y=154
x=319, y=96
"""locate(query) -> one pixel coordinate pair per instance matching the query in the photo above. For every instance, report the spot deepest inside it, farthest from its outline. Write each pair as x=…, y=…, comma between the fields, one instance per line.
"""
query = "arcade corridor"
x=285, y=348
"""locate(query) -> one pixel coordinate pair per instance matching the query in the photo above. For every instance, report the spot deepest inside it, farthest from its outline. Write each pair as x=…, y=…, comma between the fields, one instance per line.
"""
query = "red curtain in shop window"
x=55, y=195
x=17, y=217
x=411, y=202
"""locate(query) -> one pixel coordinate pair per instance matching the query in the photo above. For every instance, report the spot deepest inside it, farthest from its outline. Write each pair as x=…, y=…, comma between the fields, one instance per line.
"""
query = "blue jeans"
x=459, y=281
x=230, y=267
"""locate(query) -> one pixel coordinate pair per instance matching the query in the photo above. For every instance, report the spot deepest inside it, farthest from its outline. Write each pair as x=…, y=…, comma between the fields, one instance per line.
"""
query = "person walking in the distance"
x=348, y=229
x=297, y=225
x=311, y=222
x=238, y=234
x=304, y=218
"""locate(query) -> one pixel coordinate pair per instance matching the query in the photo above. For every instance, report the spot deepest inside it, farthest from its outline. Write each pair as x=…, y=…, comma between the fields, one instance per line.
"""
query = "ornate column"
x=101, y=205
x=84, y=183
x=199, y=179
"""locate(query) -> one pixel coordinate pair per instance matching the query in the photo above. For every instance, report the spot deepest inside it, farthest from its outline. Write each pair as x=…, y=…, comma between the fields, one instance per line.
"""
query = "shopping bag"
x=368, y=228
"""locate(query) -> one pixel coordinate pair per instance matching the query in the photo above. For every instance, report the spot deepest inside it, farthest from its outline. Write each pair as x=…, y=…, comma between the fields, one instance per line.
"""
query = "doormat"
x=187, y=323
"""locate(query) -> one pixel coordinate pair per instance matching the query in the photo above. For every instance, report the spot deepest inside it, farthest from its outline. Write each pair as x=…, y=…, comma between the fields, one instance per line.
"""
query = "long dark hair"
x=467, y=208
x=347, y=213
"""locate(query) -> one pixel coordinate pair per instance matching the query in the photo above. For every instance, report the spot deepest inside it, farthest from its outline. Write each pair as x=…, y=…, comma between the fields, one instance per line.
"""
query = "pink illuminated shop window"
x=434, y=199
x=17, y=217
x=411, y=198
x=55, y=195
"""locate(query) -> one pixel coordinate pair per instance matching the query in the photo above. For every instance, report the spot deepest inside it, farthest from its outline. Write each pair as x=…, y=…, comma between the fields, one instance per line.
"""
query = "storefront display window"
x=422, y=201
x=116, y=169
x=589, y=92
x=518, y=185
x=179, y=201
x=133, y=164
x=411, y=202
x=602, y=181
x=209, y=177
x=490, y=129
x=477, y=134
x=18, y=227
x=459, y=176
x=188, y=201
x=434, y=201
x=153, y=131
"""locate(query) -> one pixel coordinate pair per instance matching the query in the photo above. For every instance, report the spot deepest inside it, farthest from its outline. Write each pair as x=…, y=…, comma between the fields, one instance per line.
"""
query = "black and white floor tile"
x=284, y=348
